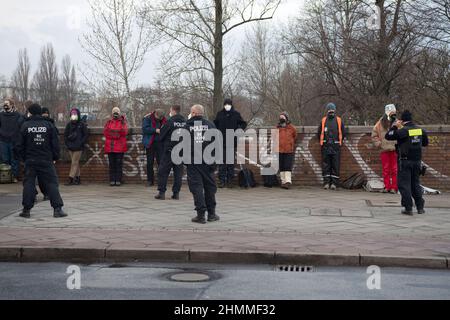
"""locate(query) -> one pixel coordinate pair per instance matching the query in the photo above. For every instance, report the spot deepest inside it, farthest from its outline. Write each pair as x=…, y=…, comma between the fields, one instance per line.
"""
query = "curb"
x=99, y=255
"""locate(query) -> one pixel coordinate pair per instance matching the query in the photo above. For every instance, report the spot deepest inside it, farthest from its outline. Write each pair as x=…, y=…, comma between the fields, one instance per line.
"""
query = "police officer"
x=410, y=140
x=331, y=133
x=176, y=122
x=201, y=176
x=38, y=148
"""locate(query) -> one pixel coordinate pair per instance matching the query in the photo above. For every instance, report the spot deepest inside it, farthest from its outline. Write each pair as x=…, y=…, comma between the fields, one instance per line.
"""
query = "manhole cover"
x=190, y=277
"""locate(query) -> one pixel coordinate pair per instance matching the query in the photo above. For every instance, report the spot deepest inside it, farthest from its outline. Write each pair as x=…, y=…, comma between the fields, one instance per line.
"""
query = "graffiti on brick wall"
x=135, y=160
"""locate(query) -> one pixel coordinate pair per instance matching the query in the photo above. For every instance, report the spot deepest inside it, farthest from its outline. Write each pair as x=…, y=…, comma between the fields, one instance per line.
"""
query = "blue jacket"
x=149, y=126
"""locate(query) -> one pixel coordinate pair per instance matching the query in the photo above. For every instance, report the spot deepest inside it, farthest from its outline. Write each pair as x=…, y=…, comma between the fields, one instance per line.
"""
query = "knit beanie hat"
x=116, y=110
x=331, y=107
x=388, y=109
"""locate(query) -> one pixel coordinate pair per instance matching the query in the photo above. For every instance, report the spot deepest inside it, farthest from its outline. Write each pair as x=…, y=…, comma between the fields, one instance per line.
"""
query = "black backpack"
x=246, y=178
x=355, y=181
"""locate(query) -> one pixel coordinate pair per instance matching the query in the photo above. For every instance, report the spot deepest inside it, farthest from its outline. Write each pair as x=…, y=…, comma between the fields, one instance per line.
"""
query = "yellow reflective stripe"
x=415, y=132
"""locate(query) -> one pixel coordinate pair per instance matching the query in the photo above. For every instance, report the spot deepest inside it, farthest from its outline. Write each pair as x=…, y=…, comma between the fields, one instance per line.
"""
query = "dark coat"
x=10, y=124
x=165, y=137
x=149, y=126
x=76, y=134
x=229, y=120
x=37, y=141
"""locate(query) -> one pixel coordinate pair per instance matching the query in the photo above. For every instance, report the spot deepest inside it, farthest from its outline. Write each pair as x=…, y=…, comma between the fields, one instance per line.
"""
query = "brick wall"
x=357, y=156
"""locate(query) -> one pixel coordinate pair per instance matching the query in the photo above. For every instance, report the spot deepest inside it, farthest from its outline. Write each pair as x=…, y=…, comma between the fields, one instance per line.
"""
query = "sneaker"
x=284, y=186
x=175, y=196
x=333, y=187
x=26, y=213
x=393, y=191
x=59, y=213
x=199, y=219
x=112, y=184
x=15, y=180
x=118, y=184
x=385, y=190
x=326, y=187
x=160, y=196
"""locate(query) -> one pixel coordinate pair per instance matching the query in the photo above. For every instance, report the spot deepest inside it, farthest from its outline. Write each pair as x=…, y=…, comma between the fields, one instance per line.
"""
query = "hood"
x=78, y=113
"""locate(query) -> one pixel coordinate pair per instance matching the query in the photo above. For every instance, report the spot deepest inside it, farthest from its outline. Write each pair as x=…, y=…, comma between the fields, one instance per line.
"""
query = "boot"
x=222, y=184
x=71, y=182
x=176, y=196
x=288, y=177
x=200, y=218
x=212, y=216
x=420, y=211
x=26, y=213
x=407, y=212
x=77, y=181
x=59, y=213
x=160, y=196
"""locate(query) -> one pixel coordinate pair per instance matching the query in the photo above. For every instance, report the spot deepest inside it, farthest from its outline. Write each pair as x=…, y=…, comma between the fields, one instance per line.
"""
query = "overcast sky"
x=31, y=24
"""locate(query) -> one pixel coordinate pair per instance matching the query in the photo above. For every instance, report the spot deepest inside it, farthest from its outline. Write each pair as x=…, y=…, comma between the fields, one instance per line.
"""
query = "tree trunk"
x=218, y=60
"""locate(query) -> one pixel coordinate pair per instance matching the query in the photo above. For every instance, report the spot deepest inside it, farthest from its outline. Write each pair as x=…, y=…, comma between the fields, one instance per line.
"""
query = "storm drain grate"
x=294, y=268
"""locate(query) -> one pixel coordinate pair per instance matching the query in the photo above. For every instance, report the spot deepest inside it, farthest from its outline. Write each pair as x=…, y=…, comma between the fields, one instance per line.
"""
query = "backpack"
x=355, y=181
x=246, y=178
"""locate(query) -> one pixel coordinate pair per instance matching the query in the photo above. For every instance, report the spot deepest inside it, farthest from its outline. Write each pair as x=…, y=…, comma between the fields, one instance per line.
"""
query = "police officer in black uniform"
x=176, y=122
x=38, y=148
x=410, y=140
x=201, y=181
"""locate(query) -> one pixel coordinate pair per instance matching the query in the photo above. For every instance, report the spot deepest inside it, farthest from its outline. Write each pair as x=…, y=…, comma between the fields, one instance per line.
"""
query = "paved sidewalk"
x=267, y=225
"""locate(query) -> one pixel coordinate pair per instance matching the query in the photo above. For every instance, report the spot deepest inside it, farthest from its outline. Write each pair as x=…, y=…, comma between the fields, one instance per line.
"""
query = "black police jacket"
x=197, y=127
x=410, y=140
x=174, y=123
x=38, y=141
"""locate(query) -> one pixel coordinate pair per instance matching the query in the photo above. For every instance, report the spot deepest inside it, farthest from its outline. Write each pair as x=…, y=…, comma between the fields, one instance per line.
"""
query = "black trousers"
x=115, y=167
x=226, y=171
x=203, y=187
x=164, y=168
x=286, y=161
x=153, y=153
x=409, y=184
x=331, y=162
x=45, y=172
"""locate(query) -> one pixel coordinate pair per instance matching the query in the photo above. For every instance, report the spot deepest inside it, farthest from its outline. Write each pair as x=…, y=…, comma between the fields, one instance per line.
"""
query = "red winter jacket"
x=115, y=133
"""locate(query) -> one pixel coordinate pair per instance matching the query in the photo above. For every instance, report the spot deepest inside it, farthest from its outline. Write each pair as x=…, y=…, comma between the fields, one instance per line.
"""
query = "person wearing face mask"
x=10, y=124
x=75, y=138
x=287, y=135
x=115, y=132
x=175, y=122
x=228, y=119
x=410, y=140
x=388, y=154
x=151, y=129
x=331, y=133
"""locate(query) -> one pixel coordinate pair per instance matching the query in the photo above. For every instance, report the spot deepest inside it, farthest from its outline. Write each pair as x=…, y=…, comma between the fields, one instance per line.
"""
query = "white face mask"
x=227, y=107
x=74, y=117
x=189, y=116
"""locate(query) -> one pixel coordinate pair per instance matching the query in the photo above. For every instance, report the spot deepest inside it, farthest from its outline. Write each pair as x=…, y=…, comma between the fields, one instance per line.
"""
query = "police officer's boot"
x=59, y=213
x=421, y=211
x=212, y=216
x=200, y=218
x=160, y=196
x=407, y=212
x=26, y=213
x=176, y=196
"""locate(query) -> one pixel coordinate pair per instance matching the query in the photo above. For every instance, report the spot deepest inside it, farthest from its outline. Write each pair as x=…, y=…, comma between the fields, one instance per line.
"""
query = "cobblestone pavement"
x=309, y=220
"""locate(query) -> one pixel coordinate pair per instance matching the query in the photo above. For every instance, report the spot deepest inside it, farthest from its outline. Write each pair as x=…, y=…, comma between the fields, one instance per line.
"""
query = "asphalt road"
x=150, y=281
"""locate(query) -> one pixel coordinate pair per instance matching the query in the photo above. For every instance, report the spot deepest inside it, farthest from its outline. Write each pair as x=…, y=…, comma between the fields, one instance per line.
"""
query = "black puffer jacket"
x=229, y=120
x=76, y=134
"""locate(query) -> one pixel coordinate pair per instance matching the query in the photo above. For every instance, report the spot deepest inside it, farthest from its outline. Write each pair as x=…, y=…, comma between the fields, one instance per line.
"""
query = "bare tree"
x=196, y=30
x=45, y=80
x=117, y=42
x=21, y=76
x=68, y=82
